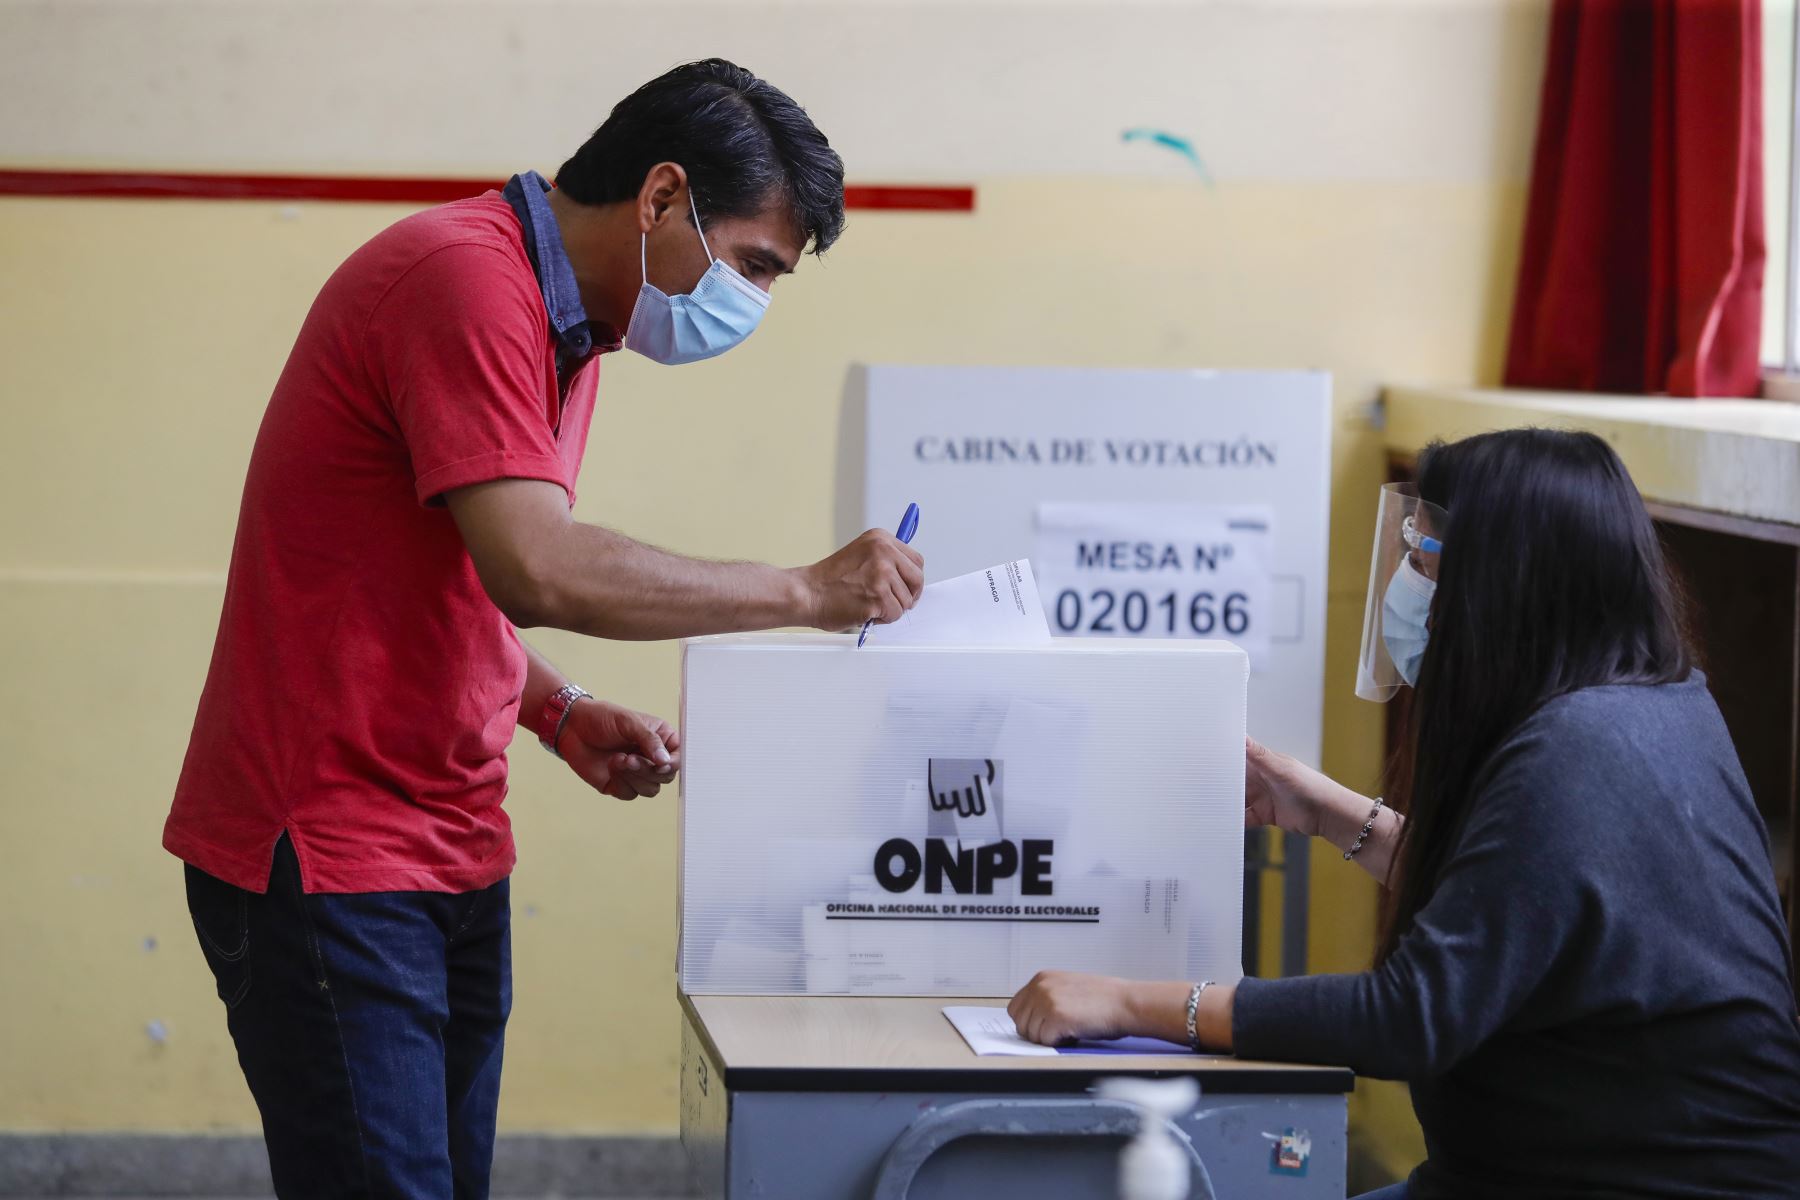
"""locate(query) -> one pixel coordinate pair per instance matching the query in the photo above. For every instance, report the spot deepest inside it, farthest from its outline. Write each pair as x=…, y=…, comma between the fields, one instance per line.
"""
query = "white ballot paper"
x=995, y=607
x=991, y=1031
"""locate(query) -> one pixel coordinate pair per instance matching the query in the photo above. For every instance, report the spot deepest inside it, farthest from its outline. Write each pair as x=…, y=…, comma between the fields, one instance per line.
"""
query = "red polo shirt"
x=363, y=687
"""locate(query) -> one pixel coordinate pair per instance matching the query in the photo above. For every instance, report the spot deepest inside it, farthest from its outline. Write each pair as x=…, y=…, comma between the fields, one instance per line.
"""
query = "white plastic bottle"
x=1153, y=1165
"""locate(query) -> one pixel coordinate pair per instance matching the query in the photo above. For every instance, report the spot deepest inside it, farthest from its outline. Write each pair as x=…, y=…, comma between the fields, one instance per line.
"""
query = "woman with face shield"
x=1584, y=973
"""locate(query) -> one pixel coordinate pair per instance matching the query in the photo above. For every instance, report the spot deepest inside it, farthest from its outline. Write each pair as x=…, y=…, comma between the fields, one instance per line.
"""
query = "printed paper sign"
x=1158, y=571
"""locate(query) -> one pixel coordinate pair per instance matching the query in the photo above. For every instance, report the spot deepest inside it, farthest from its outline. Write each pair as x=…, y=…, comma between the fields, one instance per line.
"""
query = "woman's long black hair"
x=1551, y=579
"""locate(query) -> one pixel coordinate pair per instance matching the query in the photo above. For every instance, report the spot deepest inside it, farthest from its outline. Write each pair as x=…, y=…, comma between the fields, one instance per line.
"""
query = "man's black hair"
x=741, y=141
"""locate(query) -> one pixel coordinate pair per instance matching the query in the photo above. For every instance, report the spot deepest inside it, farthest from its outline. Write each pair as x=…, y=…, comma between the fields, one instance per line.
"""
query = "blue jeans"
x=369, y=1028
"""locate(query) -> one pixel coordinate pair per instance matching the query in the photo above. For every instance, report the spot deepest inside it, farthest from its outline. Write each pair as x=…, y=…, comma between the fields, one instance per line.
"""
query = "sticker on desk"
x=1158, y=571
x=1291, y=1151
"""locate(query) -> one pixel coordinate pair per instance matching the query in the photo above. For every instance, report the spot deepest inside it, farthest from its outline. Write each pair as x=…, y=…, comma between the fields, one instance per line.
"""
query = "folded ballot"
x=950, y=819
x=995, y=607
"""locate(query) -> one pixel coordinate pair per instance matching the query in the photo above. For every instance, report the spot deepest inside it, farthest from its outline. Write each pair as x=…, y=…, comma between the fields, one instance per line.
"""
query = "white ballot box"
x=949, y=821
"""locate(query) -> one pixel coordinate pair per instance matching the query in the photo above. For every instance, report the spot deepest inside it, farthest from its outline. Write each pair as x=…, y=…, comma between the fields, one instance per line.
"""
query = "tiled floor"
x=223, y=1167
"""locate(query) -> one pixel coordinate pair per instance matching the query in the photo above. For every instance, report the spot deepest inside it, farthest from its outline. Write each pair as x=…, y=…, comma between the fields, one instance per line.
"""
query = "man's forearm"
x=604, y=584
x=541, y=681
x=540, y=567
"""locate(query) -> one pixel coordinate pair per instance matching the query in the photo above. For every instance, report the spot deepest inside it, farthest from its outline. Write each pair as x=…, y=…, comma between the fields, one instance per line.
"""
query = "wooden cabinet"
x=1742, y=579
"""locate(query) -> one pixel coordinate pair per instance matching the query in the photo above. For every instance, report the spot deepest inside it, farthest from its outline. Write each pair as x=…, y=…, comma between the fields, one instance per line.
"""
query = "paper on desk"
x=995, y=607
x=991, y=1031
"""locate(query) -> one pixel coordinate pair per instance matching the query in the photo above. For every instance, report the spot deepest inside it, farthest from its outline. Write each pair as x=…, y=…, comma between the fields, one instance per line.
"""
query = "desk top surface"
x=858, y=1043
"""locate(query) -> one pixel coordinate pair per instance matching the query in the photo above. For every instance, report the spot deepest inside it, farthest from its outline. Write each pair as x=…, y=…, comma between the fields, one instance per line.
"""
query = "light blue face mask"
x=1402, y=586
x=722, y=310
x=1406, y=617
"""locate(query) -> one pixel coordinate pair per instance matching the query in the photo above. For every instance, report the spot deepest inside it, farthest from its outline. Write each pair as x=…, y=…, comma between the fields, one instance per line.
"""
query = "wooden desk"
x=826, y=1096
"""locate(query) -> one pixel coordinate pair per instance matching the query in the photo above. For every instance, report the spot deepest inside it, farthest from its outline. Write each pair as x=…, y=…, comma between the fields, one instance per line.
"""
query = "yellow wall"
x=138, y=341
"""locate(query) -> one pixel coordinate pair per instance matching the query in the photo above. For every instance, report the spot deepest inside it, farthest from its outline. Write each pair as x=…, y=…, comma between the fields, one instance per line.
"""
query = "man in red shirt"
x=407, y=507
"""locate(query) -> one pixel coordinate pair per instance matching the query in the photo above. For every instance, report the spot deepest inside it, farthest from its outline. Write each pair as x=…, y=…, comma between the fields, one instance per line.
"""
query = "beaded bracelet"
x=1363, y=836
x=1193, y=1013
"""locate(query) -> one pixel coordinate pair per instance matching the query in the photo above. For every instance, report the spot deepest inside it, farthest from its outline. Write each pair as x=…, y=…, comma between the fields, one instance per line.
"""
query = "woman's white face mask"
x=1402, y=584
x=1406, y=619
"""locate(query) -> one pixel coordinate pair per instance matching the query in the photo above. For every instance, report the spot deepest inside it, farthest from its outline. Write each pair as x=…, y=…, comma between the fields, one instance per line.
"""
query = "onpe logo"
x=965, y=850
x=964, y=786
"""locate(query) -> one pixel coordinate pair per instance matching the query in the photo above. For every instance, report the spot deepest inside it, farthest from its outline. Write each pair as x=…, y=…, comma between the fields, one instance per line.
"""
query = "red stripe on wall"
x=914, y=199
x=368, y=188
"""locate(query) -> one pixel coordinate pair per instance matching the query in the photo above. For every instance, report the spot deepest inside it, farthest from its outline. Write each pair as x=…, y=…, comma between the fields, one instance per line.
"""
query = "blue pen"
x=909, y=525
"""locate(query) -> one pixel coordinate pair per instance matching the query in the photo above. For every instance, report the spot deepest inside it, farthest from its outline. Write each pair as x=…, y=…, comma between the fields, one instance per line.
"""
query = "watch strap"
x=556, y=715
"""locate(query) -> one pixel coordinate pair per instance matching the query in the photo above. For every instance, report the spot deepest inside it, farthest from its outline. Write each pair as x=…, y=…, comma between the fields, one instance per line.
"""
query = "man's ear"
x=664, y=185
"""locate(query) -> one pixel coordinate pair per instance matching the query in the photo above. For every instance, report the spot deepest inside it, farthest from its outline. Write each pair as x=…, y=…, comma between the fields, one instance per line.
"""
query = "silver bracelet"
x=1193, y=1013
x=1363, y=836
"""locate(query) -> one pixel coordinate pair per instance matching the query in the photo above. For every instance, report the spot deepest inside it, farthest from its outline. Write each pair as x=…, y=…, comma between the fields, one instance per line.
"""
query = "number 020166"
x=1153, y=614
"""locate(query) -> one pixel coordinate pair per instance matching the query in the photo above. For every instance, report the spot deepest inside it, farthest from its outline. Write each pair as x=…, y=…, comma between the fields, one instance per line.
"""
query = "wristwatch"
x=556, y=715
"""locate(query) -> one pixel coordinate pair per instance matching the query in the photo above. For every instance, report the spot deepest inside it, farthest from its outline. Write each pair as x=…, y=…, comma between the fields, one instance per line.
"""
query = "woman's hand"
x=1058, y=1006
x=1281, y=791
x=1286, y=793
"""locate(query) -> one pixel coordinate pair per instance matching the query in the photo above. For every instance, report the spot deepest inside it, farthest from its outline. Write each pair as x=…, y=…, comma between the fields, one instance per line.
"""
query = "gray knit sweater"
x=1597, y=998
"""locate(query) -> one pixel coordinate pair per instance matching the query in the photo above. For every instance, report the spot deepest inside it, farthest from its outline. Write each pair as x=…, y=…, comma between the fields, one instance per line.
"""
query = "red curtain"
x=1642, y=264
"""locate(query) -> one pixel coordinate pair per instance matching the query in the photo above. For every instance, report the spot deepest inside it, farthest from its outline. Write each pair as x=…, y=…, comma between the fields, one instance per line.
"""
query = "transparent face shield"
x=1402, y=580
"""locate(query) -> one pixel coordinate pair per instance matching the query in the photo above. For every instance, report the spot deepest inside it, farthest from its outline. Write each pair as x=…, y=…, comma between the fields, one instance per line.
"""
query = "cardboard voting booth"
x=948, y=821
